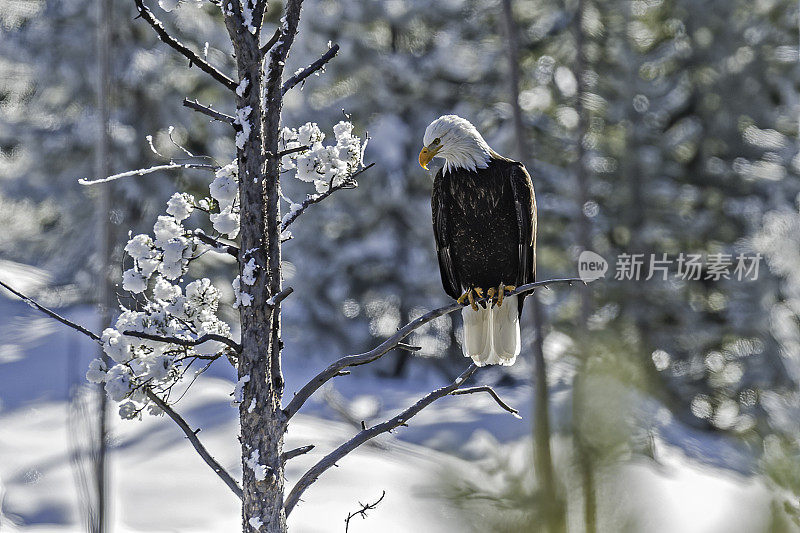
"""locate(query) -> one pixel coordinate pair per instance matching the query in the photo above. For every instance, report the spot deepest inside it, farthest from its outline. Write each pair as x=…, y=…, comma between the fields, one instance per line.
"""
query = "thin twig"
x=347, y=183
x=367, y=357
x=291, y=454
x=192, y=436
x=150, y=170
x=363, y=511
x=219, y=245
x=52, y=314
x=363, y=436
x=309, y=70
x=186, y=342
x=408, y=347
x=208, y=111
x=193, y=58
x=493, y=394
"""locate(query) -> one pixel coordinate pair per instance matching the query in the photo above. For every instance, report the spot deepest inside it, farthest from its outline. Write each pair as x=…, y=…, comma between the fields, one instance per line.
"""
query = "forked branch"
x=362, y=512
x=492, y=393
x=363, y=436
x=367, y=357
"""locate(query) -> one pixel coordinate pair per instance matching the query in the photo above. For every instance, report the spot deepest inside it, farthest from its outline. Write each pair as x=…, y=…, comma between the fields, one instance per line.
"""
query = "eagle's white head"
x=457, y=141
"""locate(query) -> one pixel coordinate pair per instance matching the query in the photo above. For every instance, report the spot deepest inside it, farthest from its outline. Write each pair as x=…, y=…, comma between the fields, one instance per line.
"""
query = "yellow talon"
x=463, y=297
x=472, y=300
x=501, y=292
x=478, y=291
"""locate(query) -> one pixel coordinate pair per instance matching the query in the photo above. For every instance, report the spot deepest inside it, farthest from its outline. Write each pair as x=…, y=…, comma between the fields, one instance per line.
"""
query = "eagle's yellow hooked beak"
x=426, y=155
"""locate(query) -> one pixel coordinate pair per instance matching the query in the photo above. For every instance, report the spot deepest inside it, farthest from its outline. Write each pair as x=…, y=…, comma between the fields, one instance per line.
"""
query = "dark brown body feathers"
x=484, y=222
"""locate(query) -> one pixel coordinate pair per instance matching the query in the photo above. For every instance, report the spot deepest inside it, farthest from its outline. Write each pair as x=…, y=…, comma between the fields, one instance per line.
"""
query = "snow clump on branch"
x=324, y=165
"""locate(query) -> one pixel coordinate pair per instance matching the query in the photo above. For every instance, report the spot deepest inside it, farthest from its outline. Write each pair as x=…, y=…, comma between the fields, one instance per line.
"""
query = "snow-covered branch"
x=192, y=436
x=363, y=436
x=193, y=58
x=367, y=357
x=302, y=74
x=186, y=342
x=312, y=199
x=149, y=170
x=208, y=111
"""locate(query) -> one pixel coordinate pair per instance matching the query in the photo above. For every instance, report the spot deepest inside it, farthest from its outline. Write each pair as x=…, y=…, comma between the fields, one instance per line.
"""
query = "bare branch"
x=272, y=40
x=291, y=454
x=493, y=394
x=186, y=342
x=309, y=70
x=193, y=58
x=52, y=314
x=363, y=436
x=347, y=183
x=207, y=110
x=407, y=347
x=150, y=170
x=293, y=150
x=219, y=245
x=192, y=436
x=275, y=301
x=362, y=511
x=367, y=357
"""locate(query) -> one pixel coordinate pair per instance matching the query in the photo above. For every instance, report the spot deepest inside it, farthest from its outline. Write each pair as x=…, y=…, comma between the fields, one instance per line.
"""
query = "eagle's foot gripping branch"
x=495, y=296
x=469, y=296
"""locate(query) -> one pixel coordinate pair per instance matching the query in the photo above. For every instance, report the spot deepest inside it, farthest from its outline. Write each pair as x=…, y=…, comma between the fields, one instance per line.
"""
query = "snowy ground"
x=160, y=484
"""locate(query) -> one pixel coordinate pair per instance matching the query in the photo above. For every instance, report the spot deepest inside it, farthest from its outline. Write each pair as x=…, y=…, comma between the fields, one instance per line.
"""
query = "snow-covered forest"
x=222, y=204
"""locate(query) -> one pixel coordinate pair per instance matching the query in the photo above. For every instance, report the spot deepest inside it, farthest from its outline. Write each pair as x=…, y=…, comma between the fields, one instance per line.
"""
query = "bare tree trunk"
x=105, y=297
x=263, y=422
x=542, y=455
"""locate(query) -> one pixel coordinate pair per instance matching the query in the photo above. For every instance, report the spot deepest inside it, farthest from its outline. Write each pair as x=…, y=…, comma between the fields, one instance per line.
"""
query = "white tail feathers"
x=491, y=335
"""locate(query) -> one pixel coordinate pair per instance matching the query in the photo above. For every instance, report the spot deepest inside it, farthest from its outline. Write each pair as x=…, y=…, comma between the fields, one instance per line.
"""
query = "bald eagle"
x=484, y=222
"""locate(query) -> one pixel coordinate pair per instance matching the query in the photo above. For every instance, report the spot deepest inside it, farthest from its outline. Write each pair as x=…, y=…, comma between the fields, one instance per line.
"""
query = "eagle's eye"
x=436, y=141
